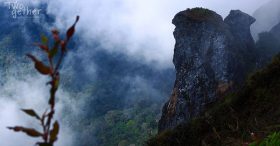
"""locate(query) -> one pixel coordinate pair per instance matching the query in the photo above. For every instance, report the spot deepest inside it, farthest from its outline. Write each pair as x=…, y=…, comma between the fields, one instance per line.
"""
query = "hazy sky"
x=140, y=28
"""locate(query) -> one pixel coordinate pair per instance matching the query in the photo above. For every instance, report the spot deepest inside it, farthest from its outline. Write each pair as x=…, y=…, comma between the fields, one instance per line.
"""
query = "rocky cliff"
x=212, y=57
x=244, y=118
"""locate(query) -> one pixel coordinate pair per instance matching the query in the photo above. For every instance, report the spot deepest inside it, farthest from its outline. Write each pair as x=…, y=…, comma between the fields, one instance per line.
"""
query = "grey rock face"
x=207, y=60
x=239, y=25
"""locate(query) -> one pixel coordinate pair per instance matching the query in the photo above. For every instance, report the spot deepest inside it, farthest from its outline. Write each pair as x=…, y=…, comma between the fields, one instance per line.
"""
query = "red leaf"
x=54, y=132
x=31, y=113
x=43, y=69
x=71, y=30
x=28, y=131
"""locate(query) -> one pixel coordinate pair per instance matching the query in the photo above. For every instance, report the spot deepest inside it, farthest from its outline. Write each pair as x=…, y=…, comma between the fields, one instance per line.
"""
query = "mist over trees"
x=267, y=16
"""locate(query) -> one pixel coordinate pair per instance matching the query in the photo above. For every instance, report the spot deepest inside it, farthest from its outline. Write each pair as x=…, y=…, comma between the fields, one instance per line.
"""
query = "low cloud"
x=267, y=17
x=141, y=29
x=25, y=92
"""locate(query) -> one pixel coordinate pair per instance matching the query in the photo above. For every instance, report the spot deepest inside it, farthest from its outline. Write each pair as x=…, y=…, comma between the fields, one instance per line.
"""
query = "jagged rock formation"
x=239, y=24
x=211, y=58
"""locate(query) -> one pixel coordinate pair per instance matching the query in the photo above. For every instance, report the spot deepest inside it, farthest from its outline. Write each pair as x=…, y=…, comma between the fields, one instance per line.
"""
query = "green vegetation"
x=122, y=127
x=132, y=126
x=232, y=120
x=271, y=140
x=201, y=14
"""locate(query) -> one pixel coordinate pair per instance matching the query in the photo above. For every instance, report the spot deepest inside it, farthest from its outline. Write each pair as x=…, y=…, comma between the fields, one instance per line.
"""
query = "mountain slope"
x=254, y=109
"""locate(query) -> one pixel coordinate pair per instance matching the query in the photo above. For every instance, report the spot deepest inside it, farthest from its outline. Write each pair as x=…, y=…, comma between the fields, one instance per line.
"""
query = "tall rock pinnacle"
x=211, y=58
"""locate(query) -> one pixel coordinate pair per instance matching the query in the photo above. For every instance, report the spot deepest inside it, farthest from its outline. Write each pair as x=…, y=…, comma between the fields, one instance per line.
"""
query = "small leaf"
x=43, y=47
x=31, y=113
x=28, y=131
x=43, y=69
x=54, y=132
x=55, y=33
x=44, y=40
x=71, y=30
x=53, y=52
